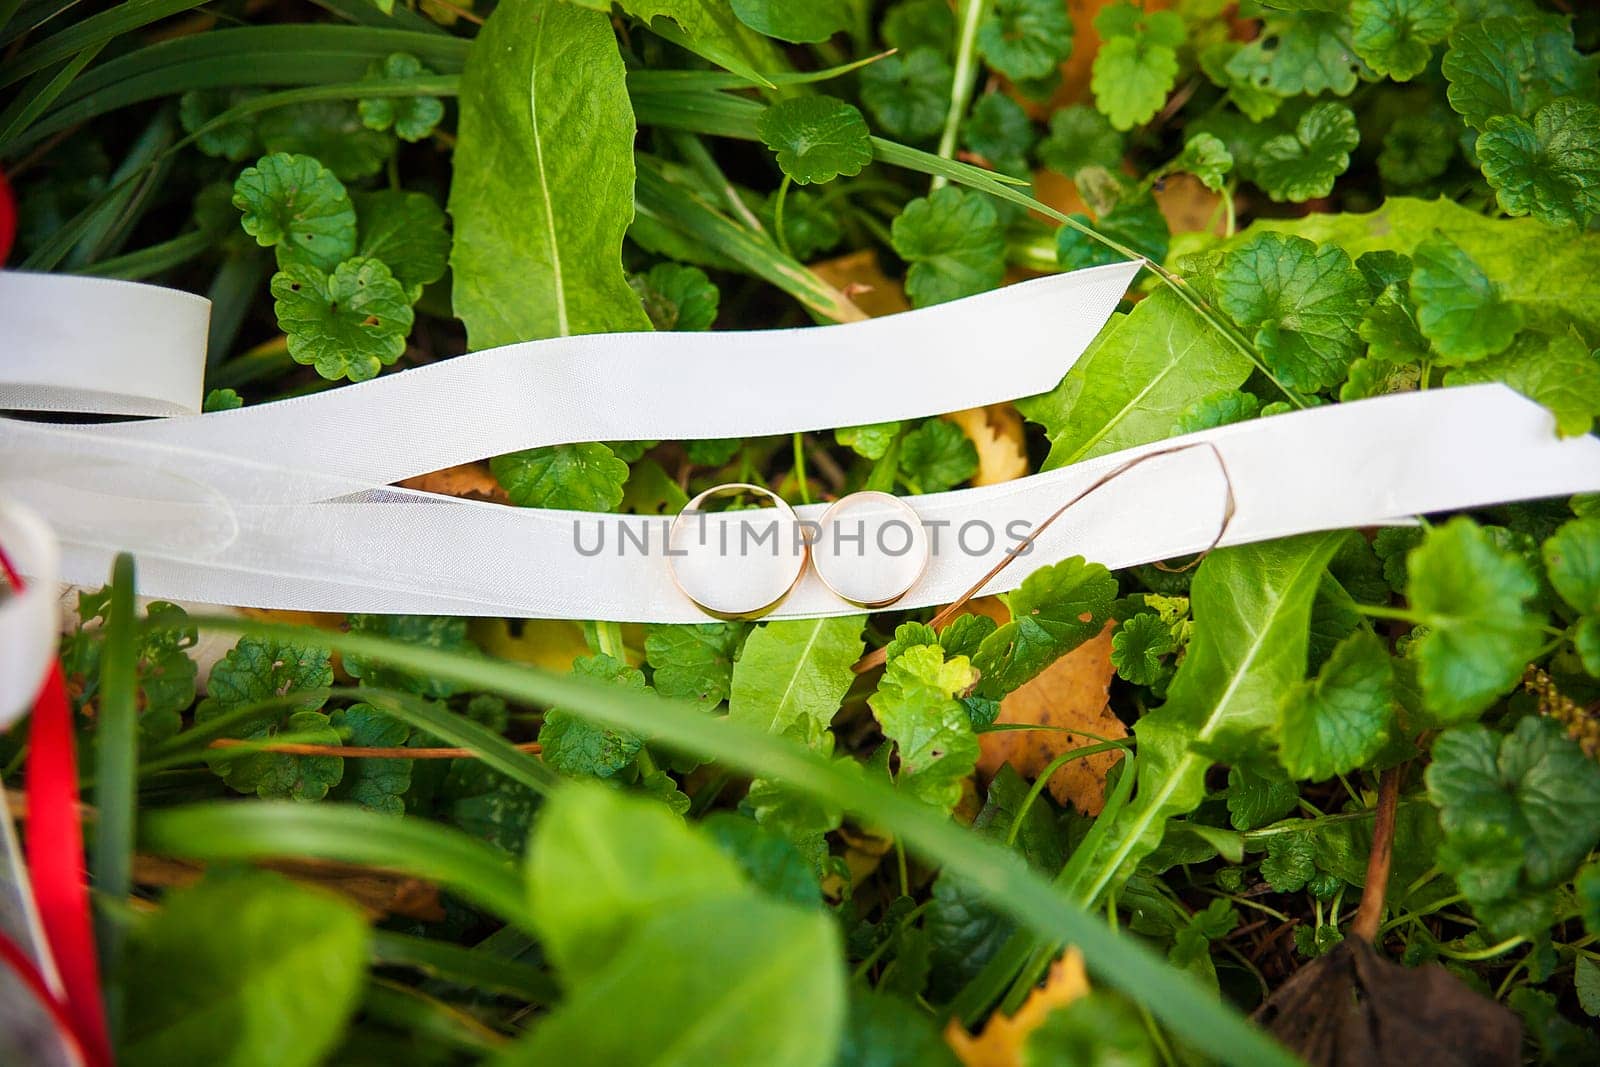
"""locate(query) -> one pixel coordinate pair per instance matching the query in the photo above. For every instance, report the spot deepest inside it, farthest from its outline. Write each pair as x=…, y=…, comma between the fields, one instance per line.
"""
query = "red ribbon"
x=8, y=218
x=55, y=861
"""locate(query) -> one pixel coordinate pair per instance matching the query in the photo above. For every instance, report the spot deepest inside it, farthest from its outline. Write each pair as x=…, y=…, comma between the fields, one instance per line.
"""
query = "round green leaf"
x=1131, y=78
x=1491, y=65
x=908, y=94
x=585, y=477
x=297, y=204
x=1459, y=309
x=407, y=232
x=954, y=243
x=411, y=117
x=1303, y=165
x=1000, y=131
x=1396, y=37
x=817, y=138
x=331, y=131
x=348, y=324
x=796, y=21
x=1551, y=168
x=1025, y=38
x=677, y=297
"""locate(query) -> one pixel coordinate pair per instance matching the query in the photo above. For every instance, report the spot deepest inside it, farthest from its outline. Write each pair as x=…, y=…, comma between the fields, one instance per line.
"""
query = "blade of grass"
x=152, y=260
x=116, y=795
x=971, y=13
x=42, y=91
x=221, y=830
x=94, y=30
x=464, y=967
x=998, y=875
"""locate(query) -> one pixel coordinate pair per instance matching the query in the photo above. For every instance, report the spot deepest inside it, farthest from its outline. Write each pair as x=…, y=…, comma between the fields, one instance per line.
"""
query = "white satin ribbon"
x=30, y=619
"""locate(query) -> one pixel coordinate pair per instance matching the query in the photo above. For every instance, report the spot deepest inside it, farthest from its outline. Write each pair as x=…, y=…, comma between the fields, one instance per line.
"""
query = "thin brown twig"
x=1370, y=912
x=295, y=748
x=877, y=657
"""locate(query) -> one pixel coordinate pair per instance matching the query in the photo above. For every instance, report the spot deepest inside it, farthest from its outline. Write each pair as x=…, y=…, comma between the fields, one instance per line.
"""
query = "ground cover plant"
x=1256, y=783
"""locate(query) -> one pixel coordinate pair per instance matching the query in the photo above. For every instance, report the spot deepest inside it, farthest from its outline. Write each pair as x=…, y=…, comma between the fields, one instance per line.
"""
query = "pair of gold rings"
x=869, y=549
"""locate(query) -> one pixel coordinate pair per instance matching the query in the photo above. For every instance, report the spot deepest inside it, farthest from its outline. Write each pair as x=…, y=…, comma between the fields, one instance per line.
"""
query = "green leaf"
x=242, y=969
x=375, y=784
x=817, y=138
x=1131, y=79
x=708, y=28
x=1300, y=52
x=601, y=863
x=1094, y=1029
x=255, y=670
x=869, y=442
x=1256, y=799
x=677, y=297
x=425, y=631
x=885, y=1030
x=296, y=204
x=954, y=243
x=1217, y=409
x=1302, y=166
x=222, y=400
x=1135, y=379
x=1390, y=327
x=279, y=775
x=407, y=232
x=1025, y=38
x=576, y=747
x=1252, y=617
x=908, y=93
x=1304, y=301
x=542, y=178
x=1572, y=559
x=937, y=456
x=1343, y=718
x=1550, y=169
x=693, y=662
x=795, y=21
x=1459, y=309
x=1000, y=131
x=1207, y=158
x=1080, y=137
x=411, y=117
x=795, y=674
x=1586, y=982
x=586, y=477
x=919, y=24
x=348, y=324
x=1135, y=222
x=1532, y=790
x=1290, y=862
x=1137, y=647
x=1054, y=610
x=1469, y=593
x=1558, y=371
x=234, y=141
x=965, y=633
x=767, y=858
x=917, y=707
x=1396, y=37
x=332, y=132
x=694, y=979
x=1491, y=62
x=1416, y=149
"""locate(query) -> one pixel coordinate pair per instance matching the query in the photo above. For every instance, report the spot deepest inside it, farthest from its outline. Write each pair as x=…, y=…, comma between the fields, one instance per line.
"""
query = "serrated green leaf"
x=869, y=442
x=1025, y=38
x=428, y=631
x=954, y=243
x=1303, y=165
x=916, y=706
x=1054, y=610
x=1290, y=862
x=1390, y=327
x=1000, y=131
x=407, y=232
x=965, y=633
x=1396, y=37
x=1572, y=560
x=1207, y=158
x=1131, y=78
x=1300, y=52
x=411, y=117
x=234, y=141
x=1416, y=149
x=1470, y=594
x=1304, y=302
x=1080, y=137
x=806, y=22
x=1137, y=647
x=375, y=784
x=222, y=400
x=919, y=24
x=348, y=324
x=1490, y=65
x=677, y=297
x=578, y=748
x=693, y=662
x=1558, y=371
x=937, y=456
x=1459, y=309
x=1549, y=169
x=330, y=131
x=1256, y=798
x=792, y=676
x=542, y=179
x=768, y=859
x=816, y=138
x=585, y=477
x=1135, y=222
x=297, y=205
x=908, y=93
x=1342, y=719
x=1216, y=409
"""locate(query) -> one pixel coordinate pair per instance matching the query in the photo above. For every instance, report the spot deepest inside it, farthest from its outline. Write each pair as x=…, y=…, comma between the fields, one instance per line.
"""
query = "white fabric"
x=29, y=620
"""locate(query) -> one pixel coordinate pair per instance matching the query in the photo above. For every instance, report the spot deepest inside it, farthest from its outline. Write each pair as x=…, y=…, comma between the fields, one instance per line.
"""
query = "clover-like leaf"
x=954, y=243
x=584, y=477
x=1304, y=302
x=348, y=324
x=908, y=94
x=579, y=748
x=1301, y=166
x=1025, y=38
x=1396, y=37
x=411, y=117
x=1137, y=646
x=1303, y=51
x=937, y=456
x=1549, y=169
x=1470, y=594
x=798, y=23
x=999, y=130
x=1491, y=63
x=1080, y=137
x=1341, y=719
x=1055, y=610
x=677, y=297
x=332, y=132
x=917, y=707
x=1556, y=370
x=407, y=232
x=296, y=204
x=1459, y=309
x=1131, y=78
x=817, y=138
x=1417, y=149
x=376, y=784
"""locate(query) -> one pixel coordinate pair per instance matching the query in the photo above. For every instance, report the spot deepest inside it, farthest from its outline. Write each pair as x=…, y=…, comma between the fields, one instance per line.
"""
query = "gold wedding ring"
x=769, y=544
x=871, y=549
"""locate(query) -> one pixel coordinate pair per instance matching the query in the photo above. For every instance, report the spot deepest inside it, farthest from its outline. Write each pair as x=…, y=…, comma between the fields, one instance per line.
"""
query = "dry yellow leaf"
x=549, y=643
x=1188, y=206
x=996, y=432
x=1000, y=1042
x=860, y=277
x=473, y=481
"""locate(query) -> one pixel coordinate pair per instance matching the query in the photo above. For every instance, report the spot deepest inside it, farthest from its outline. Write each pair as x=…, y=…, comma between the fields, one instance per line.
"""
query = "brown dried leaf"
x=996, y=432
x=1002, y=1038
x=860, y=277
x=1188, y=206
x=1073, y=692
x=471, y=481
x=378, y=893
x=1352, y=1008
